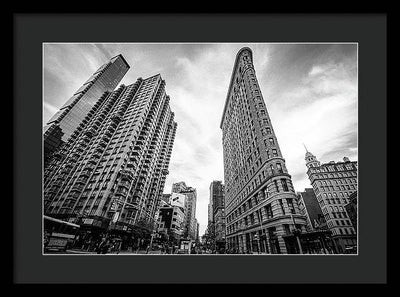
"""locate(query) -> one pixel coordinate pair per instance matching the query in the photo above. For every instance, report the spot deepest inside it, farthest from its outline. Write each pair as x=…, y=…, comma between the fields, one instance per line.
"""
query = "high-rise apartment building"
x=75, y=111
x=260, y=201
x=114, y=167
x=333, y=183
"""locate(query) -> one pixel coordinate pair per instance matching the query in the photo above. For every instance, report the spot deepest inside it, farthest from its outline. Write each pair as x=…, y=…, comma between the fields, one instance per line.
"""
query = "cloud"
x=320, y=111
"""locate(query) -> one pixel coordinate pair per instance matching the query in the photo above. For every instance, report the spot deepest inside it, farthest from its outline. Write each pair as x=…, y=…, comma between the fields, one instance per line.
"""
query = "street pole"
x=297, y=235
x=261, y=225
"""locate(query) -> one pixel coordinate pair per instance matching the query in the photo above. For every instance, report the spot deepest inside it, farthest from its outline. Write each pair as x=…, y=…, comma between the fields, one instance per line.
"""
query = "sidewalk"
x=141, y=252
x=73, y=251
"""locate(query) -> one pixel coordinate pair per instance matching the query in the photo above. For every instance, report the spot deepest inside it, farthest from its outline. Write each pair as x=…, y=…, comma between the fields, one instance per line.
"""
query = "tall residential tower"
x=113, y=168
x=260, y=201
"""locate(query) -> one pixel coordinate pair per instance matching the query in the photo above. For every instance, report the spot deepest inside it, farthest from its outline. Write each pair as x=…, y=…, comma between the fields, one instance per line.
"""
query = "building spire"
x=305, y=148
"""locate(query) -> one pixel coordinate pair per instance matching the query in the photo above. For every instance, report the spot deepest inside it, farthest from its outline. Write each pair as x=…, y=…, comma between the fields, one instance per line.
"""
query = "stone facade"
x=333, y=183
x=260, y=201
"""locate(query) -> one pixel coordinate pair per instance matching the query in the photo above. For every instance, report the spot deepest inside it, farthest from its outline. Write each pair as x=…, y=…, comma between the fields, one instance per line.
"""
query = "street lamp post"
x=257, y=237
x=296, y=233
x=261, y=225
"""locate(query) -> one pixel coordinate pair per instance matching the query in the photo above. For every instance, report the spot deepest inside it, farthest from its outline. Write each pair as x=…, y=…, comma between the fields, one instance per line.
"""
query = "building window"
x=276, y=185
x=287, y=229
x=271, y=141
x=268, y=210
x=252, y=219
x=282, y=207
x=290, y=204
x=284, y=185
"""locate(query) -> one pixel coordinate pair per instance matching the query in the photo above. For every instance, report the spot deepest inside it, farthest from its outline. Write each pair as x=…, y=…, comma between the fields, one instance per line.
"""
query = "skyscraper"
x=72, y=114
x=333, y=183
x=260, y=202
x=309, y=206
x=111, y=173
x=190, y=223
x=217, y=203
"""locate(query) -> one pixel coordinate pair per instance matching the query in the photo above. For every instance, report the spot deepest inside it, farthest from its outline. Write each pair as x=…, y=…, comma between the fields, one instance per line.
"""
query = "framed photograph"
x=231, y=152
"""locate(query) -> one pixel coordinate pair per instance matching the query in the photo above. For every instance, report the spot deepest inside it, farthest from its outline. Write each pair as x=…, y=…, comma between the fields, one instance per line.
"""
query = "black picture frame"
x=368, y=30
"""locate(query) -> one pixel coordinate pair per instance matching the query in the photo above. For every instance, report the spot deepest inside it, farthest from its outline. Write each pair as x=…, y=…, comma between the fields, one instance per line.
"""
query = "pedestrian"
x=100, y=246
x=106, y=247
x=118, y=247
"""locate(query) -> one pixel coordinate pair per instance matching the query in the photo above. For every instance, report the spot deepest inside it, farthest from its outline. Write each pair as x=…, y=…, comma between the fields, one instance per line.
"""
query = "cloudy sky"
x=310, y=90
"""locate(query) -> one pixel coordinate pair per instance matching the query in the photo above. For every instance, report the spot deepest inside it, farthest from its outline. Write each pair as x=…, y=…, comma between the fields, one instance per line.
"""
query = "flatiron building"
x=260, y=201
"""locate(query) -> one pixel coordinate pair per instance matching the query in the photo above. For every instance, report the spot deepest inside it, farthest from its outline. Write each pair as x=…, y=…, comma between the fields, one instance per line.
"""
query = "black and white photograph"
x=200, y=149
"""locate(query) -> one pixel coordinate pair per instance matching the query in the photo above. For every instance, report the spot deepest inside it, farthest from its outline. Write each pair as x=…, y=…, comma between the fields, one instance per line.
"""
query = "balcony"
x=130, y=165
x=125, y=185
x=126, y=175
x=133, y=159
x=81, y=181
x=90, y=132
x=58, y=183
x=117, y=117
x=86, y=173
x=121, y=191
x=92, y=161
x=107, y=134
x=77, y=188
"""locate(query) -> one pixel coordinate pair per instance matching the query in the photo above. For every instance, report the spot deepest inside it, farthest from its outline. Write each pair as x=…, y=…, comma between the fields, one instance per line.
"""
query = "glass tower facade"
x=63, y=124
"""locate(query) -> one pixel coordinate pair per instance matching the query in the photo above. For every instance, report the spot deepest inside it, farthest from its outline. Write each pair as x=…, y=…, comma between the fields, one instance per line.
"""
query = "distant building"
x=309, y=206
x=197, y=231
x=170, y=222
x=218, y=214
x=166, y=197
x=178, y=187
x=333, y=183
x=351, y=208
x=189, y=229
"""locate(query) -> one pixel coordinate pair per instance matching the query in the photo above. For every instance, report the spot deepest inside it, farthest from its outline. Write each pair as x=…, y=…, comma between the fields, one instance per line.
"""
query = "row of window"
x=268, y=213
